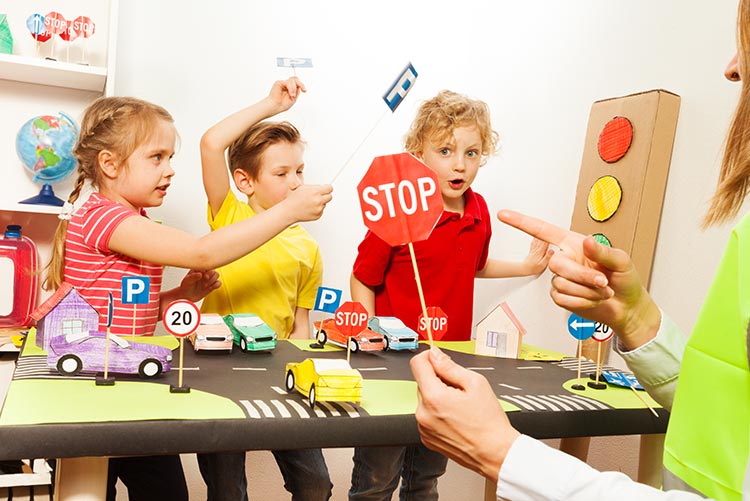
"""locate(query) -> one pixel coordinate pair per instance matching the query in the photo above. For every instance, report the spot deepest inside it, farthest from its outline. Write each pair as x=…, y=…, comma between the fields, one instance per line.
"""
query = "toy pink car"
x=212, y=334
x=367, y=340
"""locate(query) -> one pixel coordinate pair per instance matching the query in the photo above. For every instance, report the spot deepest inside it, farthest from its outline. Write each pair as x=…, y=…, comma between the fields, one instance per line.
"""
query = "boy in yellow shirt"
x=279, y=280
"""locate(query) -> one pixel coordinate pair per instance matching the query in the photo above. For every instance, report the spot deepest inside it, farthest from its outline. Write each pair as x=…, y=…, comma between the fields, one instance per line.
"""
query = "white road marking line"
x=349, y=409
x=281, y=408
x=331, y=409
x=538, y=398
x=525, y=398
x=252, y=411
x=481, y=368
x=509, y=386
x=279, y=390
x=531, y=367
x=364, y=369
x=249, y=368
x=297, y=407
x=559, y=402
x=265, y=409
x=519, y=402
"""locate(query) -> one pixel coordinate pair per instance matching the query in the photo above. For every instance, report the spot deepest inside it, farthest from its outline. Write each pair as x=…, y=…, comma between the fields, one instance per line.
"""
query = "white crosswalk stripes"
x=264, y=408
x=301, y=411
x=554, y=402
x=252, y=412
x=281, y=408
x=331, y=408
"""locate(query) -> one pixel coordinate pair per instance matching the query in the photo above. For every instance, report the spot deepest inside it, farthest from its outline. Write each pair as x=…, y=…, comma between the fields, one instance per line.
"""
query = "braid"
x=55, y=268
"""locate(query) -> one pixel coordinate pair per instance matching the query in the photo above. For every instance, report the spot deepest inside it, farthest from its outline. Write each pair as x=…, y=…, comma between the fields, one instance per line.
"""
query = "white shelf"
x=54, y=73
x=30, y=208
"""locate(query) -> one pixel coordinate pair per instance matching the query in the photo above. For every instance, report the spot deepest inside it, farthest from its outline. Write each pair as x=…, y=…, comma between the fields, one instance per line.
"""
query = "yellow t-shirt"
x=273, y=280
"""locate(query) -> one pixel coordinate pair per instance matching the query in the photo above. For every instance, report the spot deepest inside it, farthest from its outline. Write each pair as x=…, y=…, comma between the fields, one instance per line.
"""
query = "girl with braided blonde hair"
x=124, y=157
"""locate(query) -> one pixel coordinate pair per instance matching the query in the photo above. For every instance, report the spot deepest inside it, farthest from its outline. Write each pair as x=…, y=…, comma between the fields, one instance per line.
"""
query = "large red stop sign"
x=351, y=318
x=400, y=199
x=437, y=320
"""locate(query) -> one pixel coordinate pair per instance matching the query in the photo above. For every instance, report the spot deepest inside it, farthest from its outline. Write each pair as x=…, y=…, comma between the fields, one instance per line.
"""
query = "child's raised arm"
x=140, y=238
x=217, y=139
x=535, y=263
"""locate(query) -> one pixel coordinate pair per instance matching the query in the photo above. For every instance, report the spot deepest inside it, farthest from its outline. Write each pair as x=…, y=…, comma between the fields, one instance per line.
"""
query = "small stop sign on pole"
x=436, y=319
x=351, y=318
x=400, y=199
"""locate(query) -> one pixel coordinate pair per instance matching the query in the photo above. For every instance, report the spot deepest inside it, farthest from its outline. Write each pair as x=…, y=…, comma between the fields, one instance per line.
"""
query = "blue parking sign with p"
x=135, y=290
x=328, y=299
x=398, y=90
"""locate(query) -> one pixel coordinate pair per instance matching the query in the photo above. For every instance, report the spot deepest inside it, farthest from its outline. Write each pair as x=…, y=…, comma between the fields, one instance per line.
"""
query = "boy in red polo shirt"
x=453, y=136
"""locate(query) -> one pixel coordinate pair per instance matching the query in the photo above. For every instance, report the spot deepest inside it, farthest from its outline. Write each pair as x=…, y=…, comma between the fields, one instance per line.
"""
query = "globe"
x=44, y=145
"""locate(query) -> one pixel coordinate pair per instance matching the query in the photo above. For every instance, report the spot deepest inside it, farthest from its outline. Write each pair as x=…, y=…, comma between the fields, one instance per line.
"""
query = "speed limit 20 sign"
x=181, y=317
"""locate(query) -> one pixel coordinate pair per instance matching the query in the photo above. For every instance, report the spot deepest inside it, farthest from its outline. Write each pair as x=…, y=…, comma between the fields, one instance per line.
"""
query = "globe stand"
x=46, y=196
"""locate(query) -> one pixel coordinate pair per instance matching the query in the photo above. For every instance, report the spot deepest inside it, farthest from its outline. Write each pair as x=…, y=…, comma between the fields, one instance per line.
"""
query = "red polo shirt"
x=448, y=262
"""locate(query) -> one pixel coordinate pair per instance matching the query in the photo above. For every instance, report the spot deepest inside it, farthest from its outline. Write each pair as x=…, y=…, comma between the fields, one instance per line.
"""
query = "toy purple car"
x=75, y=353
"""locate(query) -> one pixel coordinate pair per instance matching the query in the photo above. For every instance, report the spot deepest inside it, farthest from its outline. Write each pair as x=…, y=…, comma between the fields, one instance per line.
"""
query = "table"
x=237, y=402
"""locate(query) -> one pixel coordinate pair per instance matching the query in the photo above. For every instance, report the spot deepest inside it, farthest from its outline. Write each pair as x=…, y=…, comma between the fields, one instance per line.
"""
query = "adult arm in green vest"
x=600, y=284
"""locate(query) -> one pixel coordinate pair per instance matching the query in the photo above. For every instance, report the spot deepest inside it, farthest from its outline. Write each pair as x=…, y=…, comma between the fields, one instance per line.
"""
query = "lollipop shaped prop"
x=581, y=329
x=401, y=203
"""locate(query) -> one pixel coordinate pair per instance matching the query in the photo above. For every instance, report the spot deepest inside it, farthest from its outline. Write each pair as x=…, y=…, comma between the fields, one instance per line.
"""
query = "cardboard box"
x=642, y=173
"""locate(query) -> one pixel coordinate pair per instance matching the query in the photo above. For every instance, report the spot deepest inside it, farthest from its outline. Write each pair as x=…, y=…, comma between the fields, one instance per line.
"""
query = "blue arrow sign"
x=400, y=87
x=580, y=328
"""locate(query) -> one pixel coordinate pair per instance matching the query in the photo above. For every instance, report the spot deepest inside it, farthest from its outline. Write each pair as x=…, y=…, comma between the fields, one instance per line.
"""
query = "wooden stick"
x=348, y=342
x=179, y=378
x=106, y=354
x=598, y=361
x=421, y=294
x=644, y=401
x=580, y=347
x=132, y=336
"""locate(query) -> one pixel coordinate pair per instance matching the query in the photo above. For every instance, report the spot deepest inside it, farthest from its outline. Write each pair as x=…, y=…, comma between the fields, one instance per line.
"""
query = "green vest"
x=709, y=428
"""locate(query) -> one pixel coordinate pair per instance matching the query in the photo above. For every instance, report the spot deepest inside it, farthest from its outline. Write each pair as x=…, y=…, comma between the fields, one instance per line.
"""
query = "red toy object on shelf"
x=18, y=278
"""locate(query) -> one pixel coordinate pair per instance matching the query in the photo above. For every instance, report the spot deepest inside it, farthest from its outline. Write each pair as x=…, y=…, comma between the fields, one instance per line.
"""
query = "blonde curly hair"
x=438, y=117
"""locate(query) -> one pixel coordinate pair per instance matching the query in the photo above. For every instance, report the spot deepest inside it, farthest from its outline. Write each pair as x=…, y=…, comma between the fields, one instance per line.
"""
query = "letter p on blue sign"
x=135, y=290
x=400, y=87
x=328, y=299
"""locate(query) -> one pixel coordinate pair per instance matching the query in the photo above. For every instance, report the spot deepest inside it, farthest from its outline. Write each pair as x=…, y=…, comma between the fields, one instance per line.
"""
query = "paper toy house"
x=64, y=312
x=499, y=334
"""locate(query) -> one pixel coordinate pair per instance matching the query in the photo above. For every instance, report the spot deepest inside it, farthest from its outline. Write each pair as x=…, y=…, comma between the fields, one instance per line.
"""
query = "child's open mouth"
x=456, y=183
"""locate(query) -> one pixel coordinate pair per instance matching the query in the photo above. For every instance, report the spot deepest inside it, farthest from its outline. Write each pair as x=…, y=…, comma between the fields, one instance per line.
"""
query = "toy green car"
x=250, y=332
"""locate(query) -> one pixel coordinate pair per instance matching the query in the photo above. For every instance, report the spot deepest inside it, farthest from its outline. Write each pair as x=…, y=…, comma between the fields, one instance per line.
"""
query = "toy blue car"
x=397, y=335
x=250, y=332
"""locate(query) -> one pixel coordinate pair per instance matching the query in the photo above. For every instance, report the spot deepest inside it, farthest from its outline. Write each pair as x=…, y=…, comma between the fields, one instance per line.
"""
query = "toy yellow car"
x=324, y=379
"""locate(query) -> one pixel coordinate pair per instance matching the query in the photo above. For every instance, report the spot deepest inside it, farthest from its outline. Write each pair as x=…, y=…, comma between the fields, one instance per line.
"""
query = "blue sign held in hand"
x=294, y=62
x=580, y=328
x=403, y=84
x=328, y=299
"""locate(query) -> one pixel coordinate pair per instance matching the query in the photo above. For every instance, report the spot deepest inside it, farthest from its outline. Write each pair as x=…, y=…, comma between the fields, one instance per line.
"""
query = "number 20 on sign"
x=181, y=318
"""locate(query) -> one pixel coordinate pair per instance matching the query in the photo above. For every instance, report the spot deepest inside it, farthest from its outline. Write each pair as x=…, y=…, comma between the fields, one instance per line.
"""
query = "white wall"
x=539, y=65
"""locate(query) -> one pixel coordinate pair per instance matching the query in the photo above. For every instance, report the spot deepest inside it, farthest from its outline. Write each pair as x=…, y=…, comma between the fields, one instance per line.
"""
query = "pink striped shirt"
x=95, y=271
